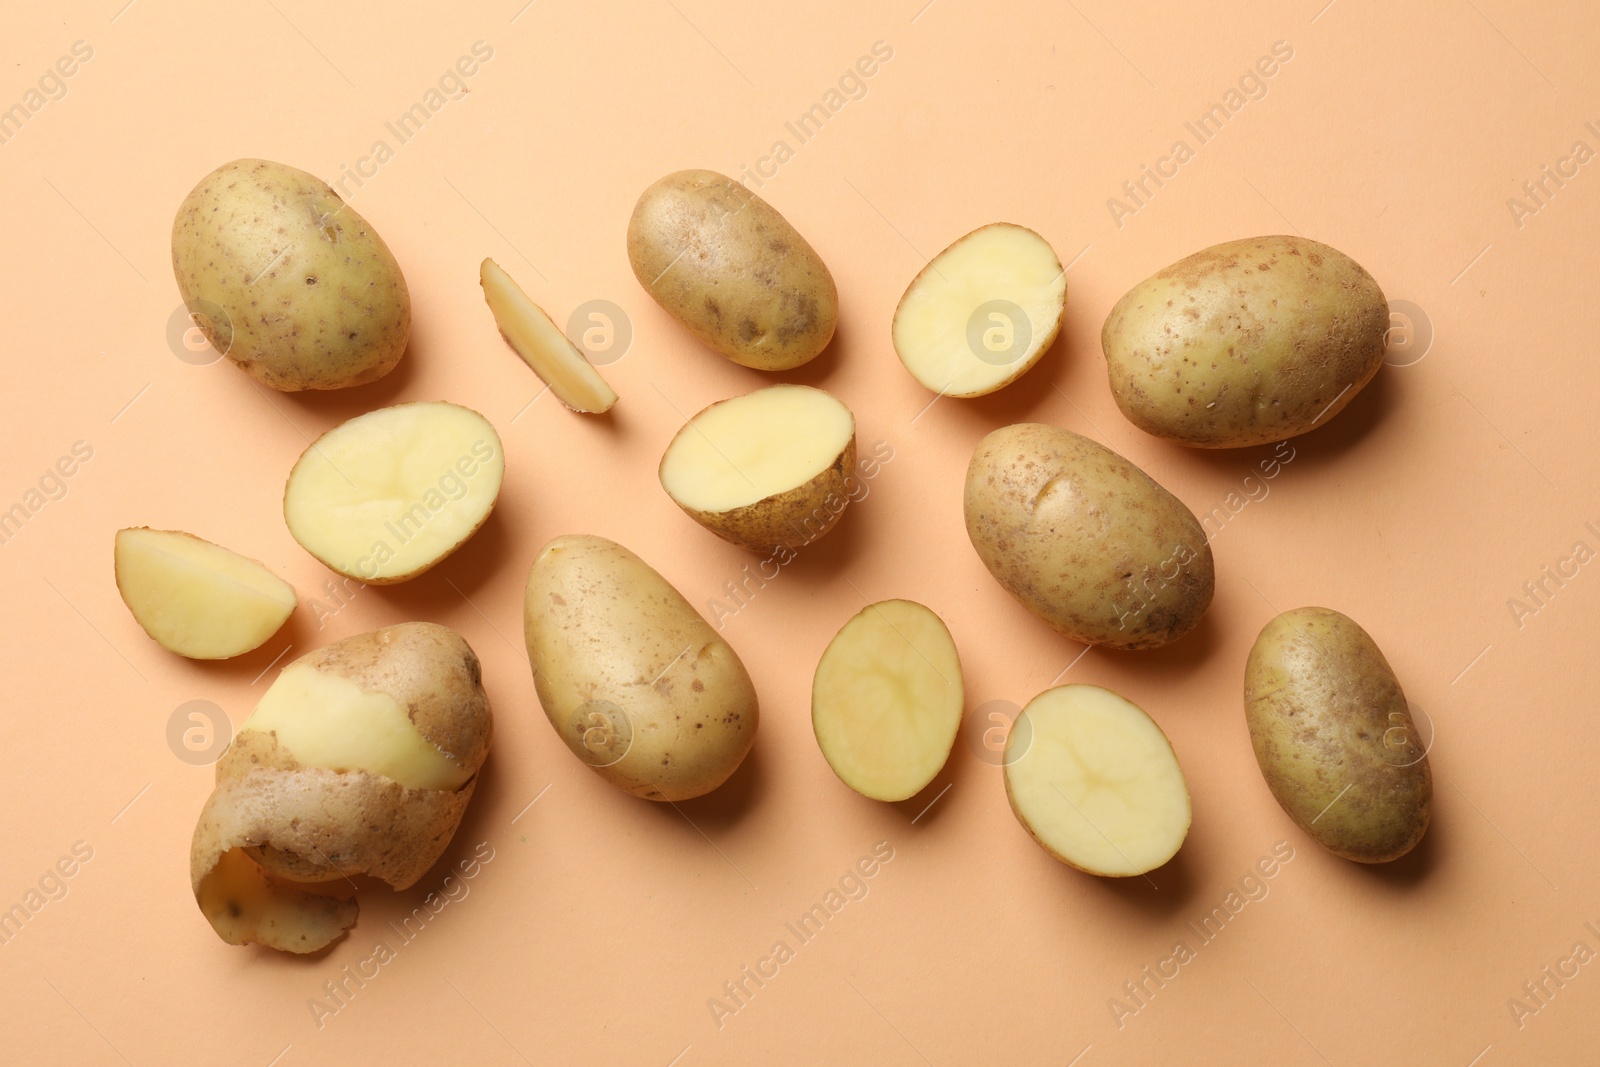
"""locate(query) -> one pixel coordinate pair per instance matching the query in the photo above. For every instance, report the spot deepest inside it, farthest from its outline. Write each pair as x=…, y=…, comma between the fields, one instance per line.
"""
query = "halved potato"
x=556, y=360
x=389, y=494
x=196, y=598
x=1098, y=785
x=982, y=312
x=886, y=700
x=765, y=470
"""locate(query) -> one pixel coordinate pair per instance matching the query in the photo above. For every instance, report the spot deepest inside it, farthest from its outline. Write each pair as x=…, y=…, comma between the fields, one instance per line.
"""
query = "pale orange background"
x=604, y=923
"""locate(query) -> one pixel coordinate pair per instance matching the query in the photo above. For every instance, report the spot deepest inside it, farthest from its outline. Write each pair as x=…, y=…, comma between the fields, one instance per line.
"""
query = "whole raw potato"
x=286, y=280
x=1086, y=540
x=1246, y=342
x=1334, y=736
x=723, y=262
x=635, y=682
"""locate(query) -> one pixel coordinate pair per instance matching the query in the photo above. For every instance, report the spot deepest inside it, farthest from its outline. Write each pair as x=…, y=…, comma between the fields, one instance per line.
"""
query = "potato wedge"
x=886, y=700
x=388, y=494
x=196, y=598
x=982, y=312
x=1096, y=783
x=769, y=469
x=545, y=349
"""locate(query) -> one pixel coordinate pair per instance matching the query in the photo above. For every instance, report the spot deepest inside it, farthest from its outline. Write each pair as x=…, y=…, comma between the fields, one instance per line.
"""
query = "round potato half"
x=887, y=698
x=287, y=280
x=1096, y=782
x=765, y=470
x=982, y=312
x=389, y=494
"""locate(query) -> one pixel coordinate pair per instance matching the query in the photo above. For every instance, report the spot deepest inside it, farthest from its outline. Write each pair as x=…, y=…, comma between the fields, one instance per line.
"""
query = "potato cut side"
x=982, y=312
x=886, y=700
x=389, y=494
x=556, y=360
x=765, y=469
x=1095, y=781
x=327, y=720
x=198, y=599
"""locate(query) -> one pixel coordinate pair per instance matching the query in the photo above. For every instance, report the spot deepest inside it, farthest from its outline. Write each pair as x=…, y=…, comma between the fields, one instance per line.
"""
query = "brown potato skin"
x=723, y=262
x=432, y=672
x=312, y=296
x=603, y=627
x=1334, y=736
x=1085, y=539
x=1245, y=343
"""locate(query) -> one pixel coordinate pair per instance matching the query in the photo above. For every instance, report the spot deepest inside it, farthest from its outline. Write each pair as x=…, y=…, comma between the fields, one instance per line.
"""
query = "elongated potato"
x=545, y=350
x=632, y=679
x=982, y=312
x=1245, y=343
x=1334, y=736
x=723, y=262
x=198, y=599
x=770, y=469
x=886, y=700
x=287, y=280
x=1095, y=782
x=360, y=759
x=1086, y=540
x=386, y=495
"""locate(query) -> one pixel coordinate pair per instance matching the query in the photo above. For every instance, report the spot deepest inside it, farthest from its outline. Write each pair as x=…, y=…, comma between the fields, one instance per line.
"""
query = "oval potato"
x=1245, y=343
x=1334, y=736
x=723, y=262
x=1086, y=540
x=633, y=680
x=287, y=280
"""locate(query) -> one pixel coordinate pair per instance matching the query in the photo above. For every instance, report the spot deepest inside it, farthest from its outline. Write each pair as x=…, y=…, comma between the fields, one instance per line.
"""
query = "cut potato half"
x=982, y=312
x=389, y=494
x=198, y=599
x=533, y=335
x=886, y=700
x=769, y=469
x=1097, y=784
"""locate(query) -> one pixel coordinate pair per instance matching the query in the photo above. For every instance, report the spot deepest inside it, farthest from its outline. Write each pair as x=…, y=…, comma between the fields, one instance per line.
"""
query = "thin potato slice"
x=556, y=360
x=196, y=598
x=769, y=469
x=886, y=700
x=982, y=312
x=1095, y=781
x=389, y=494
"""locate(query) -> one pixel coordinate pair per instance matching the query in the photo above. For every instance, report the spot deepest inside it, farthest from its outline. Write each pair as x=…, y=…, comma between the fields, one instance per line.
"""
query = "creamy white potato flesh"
x=389, y=494
x=196, y=598
x=1095, y=781
x=535, y=338
x=886, y=700
x=982, y=312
